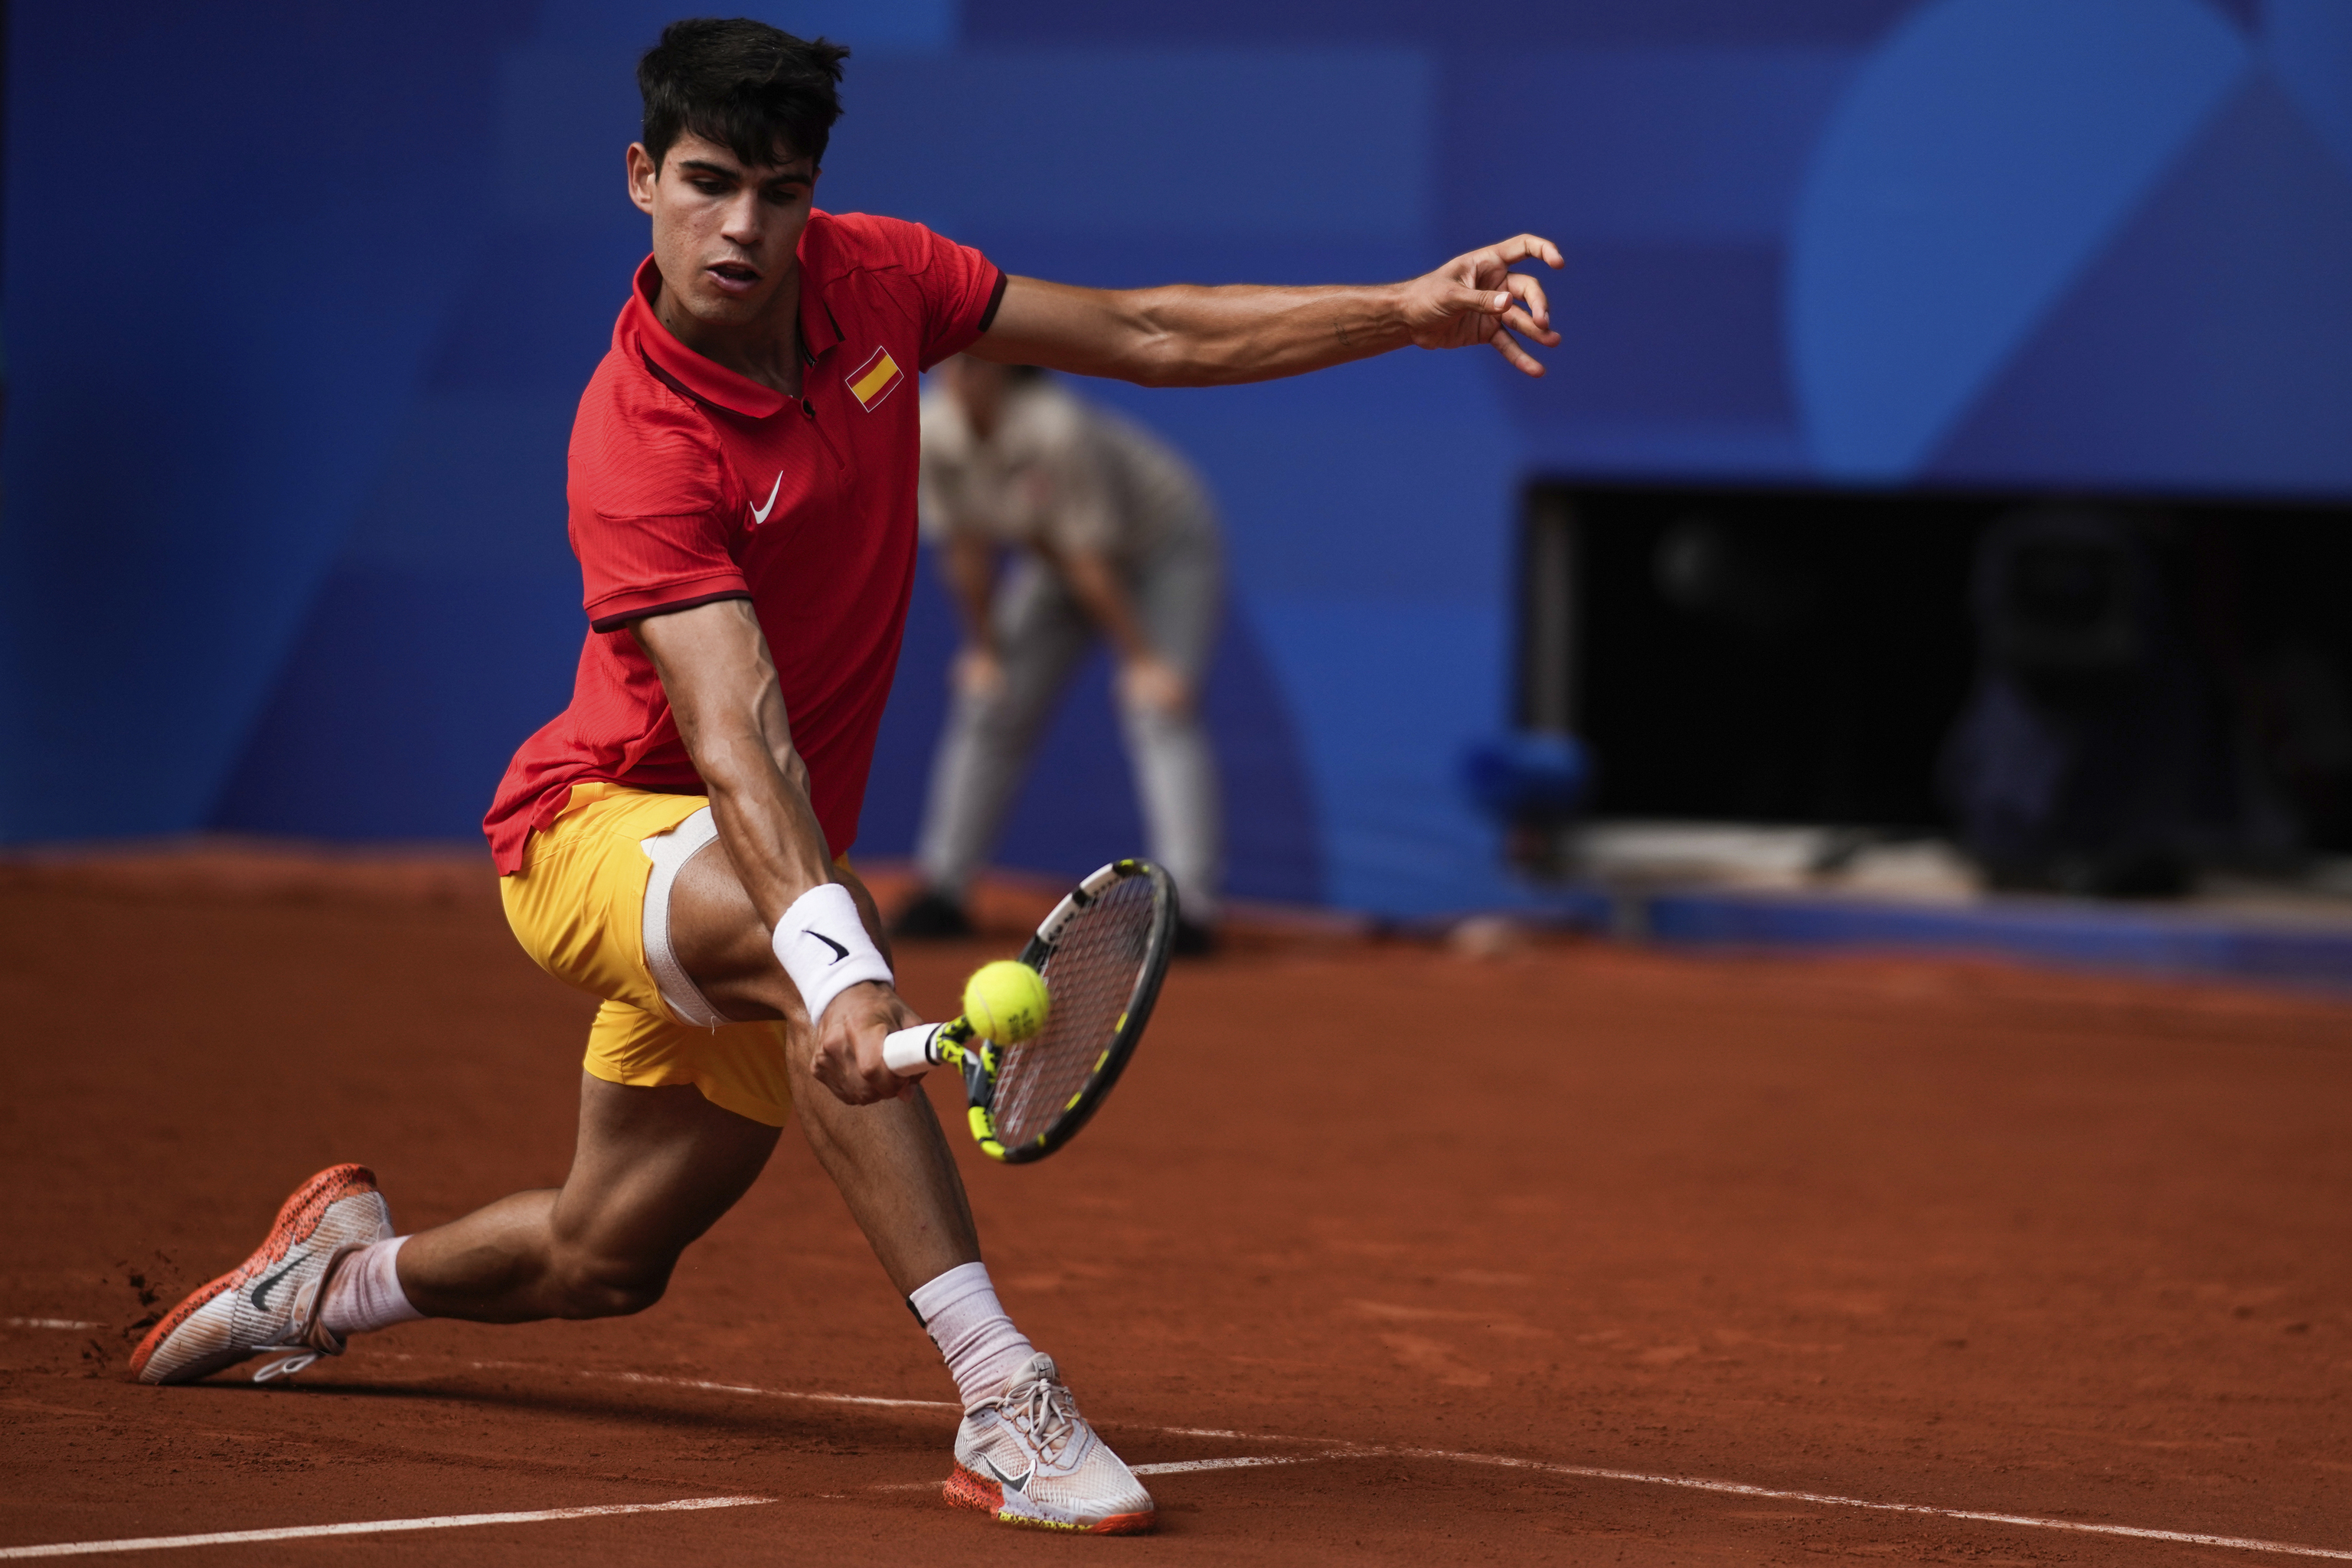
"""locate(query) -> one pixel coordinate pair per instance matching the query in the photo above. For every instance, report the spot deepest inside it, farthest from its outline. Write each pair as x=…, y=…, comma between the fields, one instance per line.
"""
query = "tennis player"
x=742, y=480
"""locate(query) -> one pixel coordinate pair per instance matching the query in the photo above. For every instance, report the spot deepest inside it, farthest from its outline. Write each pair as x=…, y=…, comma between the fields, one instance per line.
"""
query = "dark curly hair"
x=758, y=91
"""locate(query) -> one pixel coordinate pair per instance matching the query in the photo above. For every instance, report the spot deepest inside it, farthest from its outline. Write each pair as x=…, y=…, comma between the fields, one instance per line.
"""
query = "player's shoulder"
x=639, y=448
x=867, y=242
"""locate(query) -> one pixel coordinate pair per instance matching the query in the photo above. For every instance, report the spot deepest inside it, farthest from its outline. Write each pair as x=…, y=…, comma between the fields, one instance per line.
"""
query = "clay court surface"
x=1447, y=1236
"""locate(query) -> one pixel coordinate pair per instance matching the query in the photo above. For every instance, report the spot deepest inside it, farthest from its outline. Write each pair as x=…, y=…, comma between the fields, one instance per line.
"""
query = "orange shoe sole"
x=965, y=1490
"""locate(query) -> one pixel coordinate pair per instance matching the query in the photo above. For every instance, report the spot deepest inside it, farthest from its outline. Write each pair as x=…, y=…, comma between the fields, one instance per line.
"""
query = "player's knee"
x=597, y=1285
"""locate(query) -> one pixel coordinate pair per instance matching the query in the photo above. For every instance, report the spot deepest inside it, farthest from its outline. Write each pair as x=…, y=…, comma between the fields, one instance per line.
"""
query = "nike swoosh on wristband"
x=760, y=513
x=839, y=951
x=261, y=1292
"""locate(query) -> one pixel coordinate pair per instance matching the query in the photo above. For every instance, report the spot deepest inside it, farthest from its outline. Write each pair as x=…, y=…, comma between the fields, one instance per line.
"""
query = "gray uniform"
x=1060, y=473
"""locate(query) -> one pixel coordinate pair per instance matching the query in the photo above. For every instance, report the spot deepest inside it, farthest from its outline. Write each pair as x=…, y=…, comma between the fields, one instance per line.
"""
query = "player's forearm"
x=730, y=711
x=1191, y=335
x=760, y=801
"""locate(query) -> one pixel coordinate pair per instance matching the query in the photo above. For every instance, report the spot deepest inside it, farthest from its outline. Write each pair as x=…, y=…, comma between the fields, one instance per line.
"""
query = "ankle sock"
x=961, y=1312
x=365, y=1292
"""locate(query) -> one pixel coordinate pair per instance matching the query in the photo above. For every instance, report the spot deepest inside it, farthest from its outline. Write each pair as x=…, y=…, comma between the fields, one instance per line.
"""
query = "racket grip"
x=909, y=1052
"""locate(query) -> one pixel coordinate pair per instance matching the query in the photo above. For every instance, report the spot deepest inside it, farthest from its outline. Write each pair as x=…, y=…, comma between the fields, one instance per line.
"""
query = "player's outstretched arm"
x=1187, y=335
x=721, y=684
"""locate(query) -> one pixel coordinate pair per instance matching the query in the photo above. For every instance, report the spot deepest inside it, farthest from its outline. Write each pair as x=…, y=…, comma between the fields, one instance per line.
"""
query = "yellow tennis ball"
x=1006, y=1001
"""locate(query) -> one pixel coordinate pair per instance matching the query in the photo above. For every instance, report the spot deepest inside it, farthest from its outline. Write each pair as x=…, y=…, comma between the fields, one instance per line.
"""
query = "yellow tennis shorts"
x=578, y=906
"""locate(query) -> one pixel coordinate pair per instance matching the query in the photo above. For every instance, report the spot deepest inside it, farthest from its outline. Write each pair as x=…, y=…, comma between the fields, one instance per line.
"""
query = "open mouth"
x=734, y=277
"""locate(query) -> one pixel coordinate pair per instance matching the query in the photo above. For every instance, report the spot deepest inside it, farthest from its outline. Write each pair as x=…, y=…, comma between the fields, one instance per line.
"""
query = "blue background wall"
x=299, y=300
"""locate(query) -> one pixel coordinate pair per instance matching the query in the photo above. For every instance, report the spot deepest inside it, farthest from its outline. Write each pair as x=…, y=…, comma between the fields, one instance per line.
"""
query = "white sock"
x=961, y=1312
x=365, y=1292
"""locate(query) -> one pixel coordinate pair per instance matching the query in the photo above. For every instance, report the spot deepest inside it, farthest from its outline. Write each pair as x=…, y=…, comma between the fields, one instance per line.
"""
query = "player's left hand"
x=848, y=1052
x=1477, y=299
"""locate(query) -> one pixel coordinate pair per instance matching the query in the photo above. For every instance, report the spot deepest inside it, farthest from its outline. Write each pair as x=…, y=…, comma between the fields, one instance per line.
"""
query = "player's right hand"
x=848, y=1051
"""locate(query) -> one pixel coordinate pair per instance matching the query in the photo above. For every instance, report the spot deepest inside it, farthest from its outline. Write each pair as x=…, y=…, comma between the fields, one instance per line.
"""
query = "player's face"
x=724, y=231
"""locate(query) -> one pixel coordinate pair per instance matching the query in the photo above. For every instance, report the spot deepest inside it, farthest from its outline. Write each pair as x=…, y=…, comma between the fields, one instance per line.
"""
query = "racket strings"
x=1091, y=974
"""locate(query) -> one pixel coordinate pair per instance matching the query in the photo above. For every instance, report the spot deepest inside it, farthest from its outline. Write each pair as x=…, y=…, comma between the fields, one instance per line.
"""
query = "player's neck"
x=766, y=349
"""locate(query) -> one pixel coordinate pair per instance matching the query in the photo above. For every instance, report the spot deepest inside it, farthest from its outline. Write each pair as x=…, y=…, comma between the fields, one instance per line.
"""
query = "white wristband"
x=823, y=945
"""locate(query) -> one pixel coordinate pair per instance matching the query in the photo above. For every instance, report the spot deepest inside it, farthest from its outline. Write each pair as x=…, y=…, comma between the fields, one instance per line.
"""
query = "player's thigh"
x=722, y=943
x=725, y=946
x=654, y=1168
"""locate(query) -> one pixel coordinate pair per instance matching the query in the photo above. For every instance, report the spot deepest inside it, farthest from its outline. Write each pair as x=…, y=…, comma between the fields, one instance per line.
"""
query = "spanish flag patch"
x=875, y=380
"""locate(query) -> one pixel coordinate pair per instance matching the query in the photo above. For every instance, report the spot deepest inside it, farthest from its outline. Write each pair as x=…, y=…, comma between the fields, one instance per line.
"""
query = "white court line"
x=1588, y=1472
x=702, y=1383
x=1173, y=1468
x=51, y=1323
x=372, y=1527
x=1337, y=1450
x=1180, y=1467
x=774, y=1392
x=1738, y=1489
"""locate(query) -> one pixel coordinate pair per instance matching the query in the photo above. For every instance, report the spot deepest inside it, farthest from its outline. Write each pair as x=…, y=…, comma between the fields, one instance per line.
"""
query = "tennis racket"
x=1103, y=953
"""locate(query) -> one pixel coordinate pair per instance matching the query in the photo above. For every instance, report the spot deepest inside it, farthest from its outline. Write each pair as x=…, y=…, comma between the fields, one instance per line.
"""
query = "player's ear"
x=643, y=174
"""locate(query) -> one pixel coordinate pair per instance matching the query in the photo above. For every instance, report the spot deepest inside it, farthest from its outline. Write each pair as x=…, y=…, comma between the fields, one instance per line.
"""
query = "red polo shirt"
x=690, y=484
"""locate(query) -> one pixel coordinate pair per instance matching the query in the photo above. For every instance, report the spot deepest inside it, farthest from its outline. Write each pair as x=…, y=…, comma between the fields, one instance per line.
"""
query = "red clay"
x=1936, y=1233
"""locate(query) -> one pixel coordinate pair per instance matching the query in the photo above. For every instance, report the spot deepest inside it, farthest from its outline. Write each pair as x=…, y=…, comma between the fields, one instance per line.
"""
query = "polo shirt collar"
x=707, y=379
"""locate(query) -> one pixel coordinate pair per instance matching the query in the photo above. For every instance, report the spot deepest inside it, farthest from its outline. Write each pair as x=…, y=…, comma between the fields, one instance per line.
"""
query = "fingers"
x=1520, y=248
x=1521, y=361
x=1520, y=322
x=1529, y=292
x=849, y=1059
x=847, y=1087
x=852, y=1085
x=1464, y=300
x=1480, y=297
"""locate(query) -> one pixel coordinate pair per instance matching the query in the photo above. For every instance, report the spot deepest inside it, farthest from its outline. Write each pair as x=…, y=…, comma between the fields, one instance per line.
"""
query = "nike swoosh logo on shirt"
x=261, y=1292
x=839, y=951
x=760, y=513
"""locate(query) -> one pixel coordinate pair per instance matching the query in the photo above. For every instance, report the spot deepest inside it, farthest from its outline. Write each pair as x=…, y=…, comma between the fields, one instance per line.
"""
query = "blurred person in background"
x=2103, y=749
x=1109, y=531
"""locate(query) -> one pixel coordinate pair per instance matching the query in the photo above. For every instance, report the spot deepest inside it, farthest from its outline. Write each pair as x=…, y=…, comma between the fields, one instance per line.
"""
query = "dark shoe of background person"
x=1193, y=940
x=932, y=915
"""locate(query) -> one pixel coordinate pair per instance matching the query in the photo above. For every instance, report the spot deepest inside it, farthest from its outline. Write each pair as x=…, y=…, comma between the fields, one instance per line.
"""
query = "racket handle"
x=910, y=1053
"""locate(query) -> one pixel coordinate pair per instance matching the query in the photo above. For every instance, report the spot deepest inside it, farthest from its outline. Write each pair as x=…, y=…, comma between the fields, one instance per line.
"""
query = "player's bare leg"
x=653, y=1170
x=890, y=1160
x=1022, y=1453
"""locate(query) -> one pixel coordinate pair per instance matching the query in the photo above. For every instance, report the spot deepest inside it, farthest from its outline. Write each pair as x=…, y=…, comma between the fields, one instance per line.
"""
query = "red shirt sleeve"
x=960, y=290
x=649, y=504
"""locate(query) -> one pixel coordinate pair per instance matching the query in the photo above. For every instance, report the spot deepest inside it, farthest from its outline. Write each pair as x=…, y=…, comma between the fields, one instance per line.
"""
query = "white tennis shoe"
x=270, y=1301
x=1027, y=1457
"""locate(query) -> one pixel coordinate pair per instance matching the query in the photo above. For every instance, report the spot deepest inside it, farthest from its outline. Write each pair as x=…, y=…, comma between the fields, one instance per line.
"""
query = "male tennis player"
x=742, y=503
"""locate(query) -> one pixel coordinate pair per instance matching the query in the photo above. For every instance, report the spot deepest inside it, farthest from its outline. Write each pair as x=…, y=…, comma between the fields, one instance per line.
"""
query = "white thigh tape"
x=823, y=945
x=668, y=851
